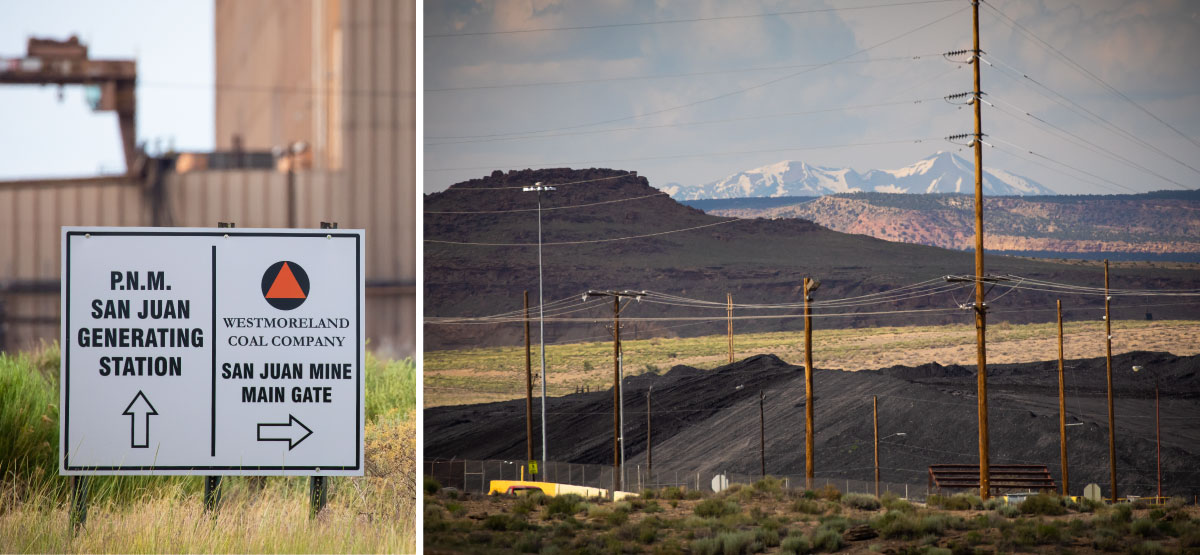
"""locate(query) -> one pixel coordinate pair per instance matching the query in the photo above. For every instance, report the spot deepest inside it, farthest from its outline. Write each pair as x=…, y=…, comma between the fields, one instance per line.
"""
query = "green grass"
x=165, y=514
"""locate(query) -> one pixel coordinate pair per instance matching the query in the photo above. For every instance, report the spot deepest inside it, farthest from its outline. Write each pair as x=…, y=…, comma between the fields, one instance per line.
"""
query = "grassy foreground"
x=766, y=518
x=164, y=514
x=498, y=373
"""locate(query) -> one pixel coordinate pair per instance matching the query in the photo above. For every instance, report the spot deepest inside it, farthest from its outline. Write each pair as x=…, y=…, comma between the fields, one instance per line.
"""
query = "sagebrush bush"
x=861, y=501
x=715, y=507
x=1043, y=504
x=827, y=539
x=795, y=544
x=808, y=506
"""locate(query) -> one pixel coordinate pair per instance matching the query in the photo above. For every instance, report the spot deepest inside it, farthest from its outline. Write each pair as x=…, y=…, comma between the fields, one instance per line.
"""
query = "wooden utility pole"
x=649, y=451
x=762, y=436
x=875, y=420
x=616, y=295
x=980, y=307
x=1112, y=432
x=616, y=395
x=810, y=285
x=528, y=392
x=1062, y=407
x=729, y=311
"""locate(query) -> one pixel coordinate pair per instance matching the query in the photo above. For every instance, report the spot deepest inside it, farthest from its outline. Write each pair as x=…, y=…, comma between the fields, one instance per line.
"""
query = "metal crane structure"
x=55, y=62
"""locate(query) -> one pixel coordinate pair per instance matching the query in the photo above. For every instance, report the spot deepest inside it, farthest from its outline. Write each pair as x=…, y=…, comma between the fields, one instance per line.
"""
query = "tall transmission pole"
x=980, y=307
x=528, y=392
x=1062, y=408
x=538, y=187
x=810, y=285
x=616, y=295
x=1112, y=432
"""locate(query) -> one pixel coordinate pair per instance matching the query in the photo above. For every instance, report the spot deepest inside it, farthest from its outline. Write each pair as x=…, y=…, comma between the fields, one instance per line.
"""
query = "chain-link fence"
x=475, y=476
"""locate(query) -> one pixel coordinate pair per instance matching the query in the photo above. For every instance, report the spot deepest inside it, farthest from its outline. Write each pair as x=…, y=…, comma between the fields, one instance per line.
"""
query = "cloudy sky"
x=690, y=91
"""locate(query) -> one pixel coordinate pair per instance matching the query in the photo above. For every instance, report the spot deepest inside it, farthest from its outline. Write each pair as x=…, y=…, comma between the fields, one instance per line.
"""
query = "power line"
x=722, y=95
x=688, y=123
x=583, y=242
x=1088, y=73
x=546, y=209
x=539, y=84
x=678, y=21
x=1078, y=139
x=693, y=155
x=1080, y=110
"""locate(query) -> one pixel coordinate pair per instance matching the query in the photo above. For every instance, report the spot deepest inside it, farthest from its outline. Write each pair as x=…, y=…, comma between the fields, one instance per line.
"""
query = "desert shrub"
x=1122, y=512
x=1106, y=539
x=807, y=506
x=838, y=523
x=1147, y=548
x=714, y=507
x=767, y=537
x=896, y=525
x=1008, y=511
x=652, y=507
x=1047, y=533
x=455, y=509
x=826, y=539
x=993, y=503
x=738, y=543
x=893, y=503
x=861, y=501
x=706, y=546
x=795, y=544
x=1043, y=504
x=1089, y=505
x=693, y=494
x=529, y=542
x=616, y=517
x=504, y=522
x=672, y=492
x=648, y=494
x=566, y=505
x=435, y=520
x=1145, y=528
x=432, y=486
x=769, y=484
x=956, y=502
x=829, y=492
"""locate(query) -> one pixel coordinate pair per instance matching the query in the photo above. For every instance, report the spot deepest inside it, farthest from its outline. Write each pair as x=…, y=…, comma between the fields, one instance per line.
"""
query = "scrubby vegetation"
x=764, y=517
x=165, y=513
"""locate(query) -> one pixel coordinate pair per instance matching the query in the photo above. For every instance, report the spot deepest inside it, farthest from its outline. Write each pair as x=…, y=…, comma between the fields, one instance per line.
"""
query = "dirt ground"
x=487, y=375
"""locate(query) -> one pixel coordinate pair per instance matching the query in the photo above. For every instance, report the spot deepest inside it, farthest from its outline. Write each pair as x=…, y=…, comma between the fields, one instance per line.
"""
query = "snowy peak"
x=943, y=172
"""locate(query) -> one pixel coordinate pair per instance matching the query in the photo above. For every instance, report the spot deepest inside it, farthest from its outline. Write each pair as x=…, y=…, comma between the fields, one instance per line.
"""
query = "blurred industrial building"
x=315, y=122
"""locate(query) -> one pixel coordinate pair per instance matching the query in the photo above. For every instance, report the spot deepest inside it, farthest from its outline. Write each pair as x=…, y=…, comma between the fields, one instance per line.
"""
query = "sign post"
x=194, y=351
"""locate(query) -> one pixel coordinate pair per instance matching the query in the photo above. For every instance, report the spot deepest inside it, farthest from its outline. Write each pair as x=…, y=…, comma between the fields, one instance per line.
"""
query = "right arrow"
x=293, y=434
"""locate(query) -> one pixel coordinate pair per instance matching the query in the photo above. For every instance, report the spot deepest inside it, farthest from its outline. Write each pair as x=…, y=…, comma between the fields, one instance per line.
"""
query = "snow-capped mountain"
x=944, y=172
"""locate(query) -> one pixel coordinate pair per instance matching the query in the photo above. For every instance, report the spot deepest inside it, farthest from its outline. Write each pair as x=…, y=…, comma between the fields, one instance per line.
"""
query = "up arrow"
x=139, y=435
x=292, y=432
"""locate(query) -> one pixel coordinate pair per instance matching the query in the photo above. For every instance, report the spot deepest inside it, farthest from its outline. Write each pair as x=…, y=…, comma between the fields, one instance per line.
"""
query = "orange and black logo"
x=285, y=285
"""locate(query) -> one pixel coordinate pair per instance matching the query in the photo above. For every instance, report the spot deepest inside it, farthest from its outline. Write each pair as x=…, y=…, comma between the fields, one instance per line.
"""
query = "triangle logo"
x=285, y=286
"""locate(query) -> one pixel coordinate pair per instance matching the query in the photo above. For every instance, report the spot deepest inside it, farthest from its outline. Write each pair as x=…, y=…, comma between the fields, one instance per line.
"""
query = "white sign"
x=212, y=351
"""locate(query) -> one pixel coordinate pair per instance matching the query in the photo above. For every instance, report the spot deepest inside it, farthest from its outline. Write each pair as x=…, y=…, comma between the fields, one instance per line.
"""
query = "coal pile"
x=708, y=421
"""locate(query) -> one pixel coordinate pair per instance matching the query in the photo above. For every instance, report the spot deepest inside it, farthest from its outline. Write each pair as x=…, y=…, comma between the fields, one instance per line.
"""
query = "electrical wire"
x=523, y=210
x=678, y=21
x=722, y=95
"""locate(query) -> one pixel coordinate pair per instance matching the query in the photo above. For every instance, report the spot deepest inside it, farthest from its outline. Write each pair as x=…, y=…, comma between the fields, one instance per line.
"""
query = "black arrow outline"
x=291, y=444
x=133, y=421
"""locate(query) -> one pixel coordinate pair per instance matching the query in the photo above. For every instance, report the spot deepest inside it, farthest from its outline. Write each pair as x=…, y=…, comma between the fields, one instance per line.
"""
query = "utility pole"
x=810, y=285
x=875, y=420
x=538, y=187
x=980, y=307
x=616, y=295
x=1062, y=407
x=649, y=451
x=1112, y=439
x=762, y=436
x=729, y=311
x=528, y=393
